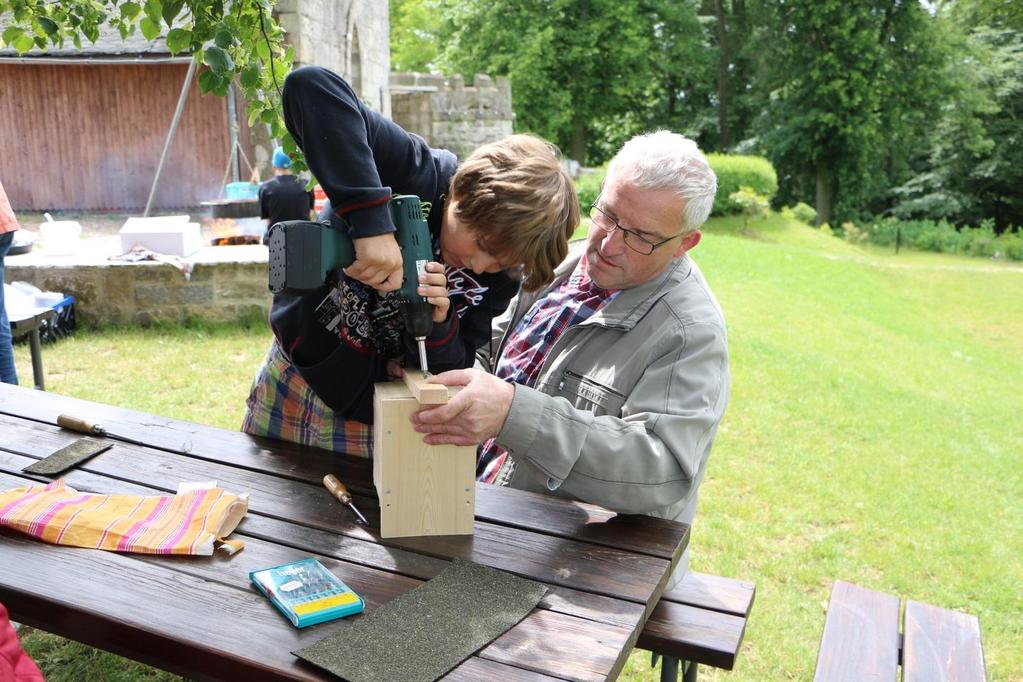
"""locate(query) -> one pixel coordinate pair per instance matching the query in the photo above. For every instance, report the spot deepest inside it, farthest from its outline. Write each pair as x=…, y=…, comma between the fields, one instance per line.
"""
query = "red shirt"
x=15, y=664
x=8, y=223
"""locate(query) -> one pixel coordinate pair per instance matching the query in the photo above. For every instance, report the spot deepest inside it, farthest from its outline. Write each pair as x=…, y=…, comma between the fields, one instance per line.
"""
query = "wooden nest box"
x=423, y=489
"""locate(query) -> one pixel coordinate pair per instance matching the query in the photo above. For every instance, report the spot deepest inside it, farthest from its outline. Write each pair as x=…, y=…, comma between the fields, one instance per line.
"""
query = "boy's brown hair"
x=520, y=202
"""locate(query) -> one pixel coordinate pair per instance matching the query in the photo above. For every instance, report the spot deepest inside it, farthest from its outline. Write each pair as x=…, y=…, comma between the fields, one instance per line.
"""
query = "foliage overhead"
x=578, y=67
x=416, y=30
x=869, y=108
x=837, y=73
x=232, y=42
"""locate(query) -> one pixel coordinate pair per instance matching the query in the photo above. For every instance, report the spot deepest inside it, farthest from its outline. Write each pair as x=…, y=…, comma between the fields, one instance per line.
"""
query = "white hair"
x=667, y=160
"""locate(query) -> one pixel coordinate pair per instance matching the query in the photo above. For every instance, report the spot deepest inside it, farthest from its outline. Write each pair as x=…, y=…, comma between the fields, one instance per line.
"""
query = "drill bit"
x=421, y=340
x=338, y=490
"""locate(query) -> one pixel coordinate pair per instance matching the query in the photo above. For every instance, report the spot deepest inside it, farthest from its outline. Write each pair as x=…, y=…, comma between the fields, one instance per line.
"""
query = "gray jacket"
x=627, y=404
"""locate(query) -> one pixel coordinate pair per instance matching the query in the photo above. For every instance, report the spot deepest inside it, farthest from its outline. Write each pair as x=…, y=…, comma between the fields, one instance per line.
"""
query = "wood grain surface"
x=199, y=616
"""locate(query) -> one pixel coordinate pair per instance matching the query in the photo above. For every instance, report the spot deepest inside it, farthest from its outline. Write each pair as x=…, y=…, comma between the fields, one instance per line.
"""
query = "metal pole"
x=232, y=131
x=170, y=134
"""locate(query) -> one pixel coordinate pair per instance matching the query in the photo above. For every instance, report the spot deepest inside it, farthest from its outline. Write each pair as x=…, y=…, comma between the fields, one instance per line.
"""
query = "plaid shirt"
x=281, y=405
x=528, y=345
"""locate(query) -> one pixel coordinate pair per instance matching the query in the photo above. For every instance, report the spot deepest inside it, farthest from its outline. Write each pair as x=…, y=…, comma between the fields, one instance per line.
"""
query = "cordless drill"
x=304, y=253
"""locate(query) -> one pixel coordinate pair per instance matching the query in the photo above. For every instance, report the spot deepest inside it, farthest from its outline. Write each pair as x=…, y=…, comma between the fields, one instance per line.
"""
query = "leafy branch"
x=232, y=41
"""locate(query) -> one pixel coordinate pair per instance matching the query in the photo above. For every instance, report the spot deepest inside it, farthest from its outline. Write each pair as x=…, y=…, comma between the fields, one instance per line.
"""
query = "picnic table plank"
x=550, y=559
x=534, y=512
x=941, y=645
x=693, y=634
x=713, y=592
x=566, y=656
x=555, y=541
x=861, y=636
x=353, y=550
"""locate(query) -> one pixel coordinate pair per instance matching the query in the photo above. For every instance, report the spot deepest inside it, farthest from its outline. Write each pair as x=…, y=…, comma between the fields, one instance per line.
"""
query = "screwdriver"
x=338, y=490
x=70, y=423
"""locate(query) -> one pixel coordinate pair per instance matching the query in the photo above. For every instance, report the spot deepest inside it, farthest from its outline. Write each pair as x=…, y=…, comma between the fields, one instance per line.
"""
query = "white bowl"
x=61, y=236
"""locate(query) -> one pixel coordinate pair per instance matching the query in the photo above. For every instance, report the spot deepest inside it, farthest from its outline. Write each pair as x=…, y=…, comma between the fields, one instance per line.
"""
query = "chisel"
x=338, y=490
x=70, y=423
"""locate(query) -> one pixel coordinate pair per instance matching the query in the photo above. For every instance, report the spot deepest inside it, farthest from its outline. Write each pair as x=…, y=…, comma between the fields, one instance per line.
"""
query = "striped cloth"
x=191, y=522
x=281, y=405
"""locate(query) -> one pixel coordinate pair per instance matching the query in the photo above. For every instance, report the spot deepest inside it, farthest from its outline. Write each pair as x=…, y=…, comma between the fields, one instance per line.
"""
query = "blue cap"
x=281, y=160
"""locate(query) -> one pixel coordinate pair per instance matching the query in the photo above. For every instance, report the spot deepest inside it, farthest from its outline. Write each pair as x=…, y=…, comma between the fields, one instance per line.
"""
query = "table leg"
x=37, y=359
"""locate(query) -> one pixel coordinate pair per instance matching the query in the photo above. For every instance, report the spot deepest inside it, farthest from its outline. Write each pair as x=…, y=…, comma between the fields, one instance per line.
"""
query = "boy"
x=505, y=214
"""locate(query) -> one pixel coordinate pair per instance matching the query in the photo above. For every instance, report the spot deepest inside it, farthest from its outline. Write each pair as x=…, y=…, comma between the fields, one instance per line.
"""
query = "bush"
x=943, y=237
x=853, y=234
x=735, y=172
x=1011, y=244
x=804, y=213
x=751, y=204
x=587, y=187
x=979, y=241
x=940, y=237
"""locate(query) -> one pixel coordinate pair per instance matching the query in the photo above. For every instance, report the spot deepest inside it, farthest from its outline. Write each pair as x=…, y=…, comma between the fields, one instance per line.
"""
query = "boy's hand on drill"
x=377, y=262
x=433, y=284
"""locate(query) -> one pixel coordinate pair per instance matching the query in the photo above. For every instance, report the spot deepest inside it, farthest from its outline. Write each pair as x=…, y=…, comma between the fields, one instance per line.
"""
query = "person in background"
x=8, y=224
x=284, y=196
x=15, y=664
x=609, y=384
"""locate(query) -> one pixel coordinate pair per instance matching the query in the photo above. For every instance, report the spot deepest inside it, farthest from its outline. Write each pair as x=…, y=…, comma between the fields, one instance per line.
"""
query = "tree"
x=837, y=73
x=970, y=166
x=231, y=41
x=416, y=29
x=572, y=63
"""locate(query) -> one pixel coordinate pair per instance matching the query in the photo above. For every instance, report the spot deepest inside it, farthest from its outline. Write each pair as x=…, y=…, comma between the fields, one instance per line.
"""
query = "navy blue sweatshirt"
x=340, y=338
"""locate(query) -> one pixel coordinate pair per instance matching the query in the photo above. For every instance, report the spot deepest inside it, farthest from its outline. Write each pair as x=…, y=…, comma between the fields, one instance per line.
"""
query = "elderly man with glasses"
x=609, y=384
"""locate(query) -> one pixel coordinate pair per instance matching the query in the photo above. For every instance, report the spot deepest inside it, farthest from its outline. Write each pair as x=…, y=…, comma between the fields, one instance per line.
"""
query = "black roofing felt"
x=426, y=632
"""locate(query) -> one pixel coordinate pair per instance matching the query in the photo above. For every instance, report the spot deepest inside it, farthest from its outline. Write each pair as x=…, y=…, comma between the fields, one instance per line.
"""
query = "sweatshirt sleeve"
x=356, y=154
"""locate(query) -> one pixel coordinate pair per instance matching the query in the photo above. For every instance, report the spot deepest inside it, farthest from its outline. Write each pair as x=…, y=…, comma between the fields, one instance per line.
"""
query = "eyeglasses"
x=633, y=240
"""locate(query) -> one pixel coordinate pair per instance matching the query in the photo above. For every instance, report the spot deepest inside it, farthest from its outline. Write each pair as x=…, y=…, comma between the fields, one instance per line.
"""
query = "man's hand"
x=433, y=285
x=377, y=262
x=473, y=415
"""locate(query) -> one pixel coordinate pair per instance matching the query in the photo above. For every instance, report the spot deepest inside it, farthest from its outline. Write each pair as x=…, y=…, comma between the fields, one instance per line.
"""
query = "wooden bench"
x=29, y=323
x=861, y=640
x=702, y=620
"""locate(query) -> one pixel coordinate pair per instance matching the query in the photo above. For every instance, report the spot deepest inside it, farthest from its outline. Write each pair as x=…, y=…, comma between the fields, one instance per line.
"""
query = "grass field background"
x=874, y=434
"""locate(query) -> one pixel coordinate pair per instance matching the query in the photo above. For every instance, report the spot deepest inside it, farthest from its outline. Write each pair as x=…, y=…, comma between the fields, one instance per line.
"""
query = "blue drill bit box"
x=306, y=592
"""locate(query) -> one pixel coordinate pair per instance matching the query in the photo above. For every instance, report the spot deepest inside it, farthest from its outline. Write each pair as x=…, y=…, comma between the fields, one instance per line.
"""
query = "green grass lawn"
x=874, y=433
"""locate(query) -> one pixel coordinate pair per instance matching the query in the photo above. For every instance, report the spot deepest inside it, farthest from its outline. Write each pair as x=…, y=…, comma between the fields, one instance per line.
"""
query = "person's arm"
x=354, y=154
x=646, y=460
x=264, y=212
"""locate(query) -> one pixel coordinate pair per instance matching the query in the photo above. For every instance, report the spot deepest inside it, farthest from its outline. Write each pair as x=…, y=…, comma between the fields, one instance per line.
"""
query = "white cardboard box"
x=172, y=235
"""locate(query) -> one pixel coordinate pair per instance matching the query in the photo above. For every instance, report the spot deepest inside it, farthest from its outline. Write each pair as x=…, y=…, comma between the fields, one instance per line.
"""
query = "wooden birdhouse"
x=423, y=489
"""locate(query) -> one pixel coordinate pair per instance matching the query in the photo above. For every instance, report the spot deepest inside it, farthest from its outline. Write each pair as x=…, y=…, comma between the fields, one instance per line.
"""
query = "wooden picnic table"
x=200, y=617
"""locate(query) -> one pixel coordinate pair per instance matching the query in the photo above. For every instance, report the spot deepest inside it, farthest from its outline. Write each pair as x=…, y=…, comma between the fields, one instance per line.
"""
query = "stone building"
x=450, y=114
x=351, y=37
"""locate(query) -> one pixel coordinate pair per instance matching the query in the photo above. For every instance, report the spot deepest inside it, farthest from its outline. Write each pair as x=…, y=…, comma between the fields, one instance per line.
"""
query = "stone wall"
x=222, y=288
x=450, y=114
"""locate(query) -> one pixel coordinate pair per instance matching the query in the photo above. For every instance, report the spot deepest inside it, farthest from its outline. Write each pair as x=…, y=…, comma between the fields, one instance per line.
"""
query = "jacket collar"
x=633, y=303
